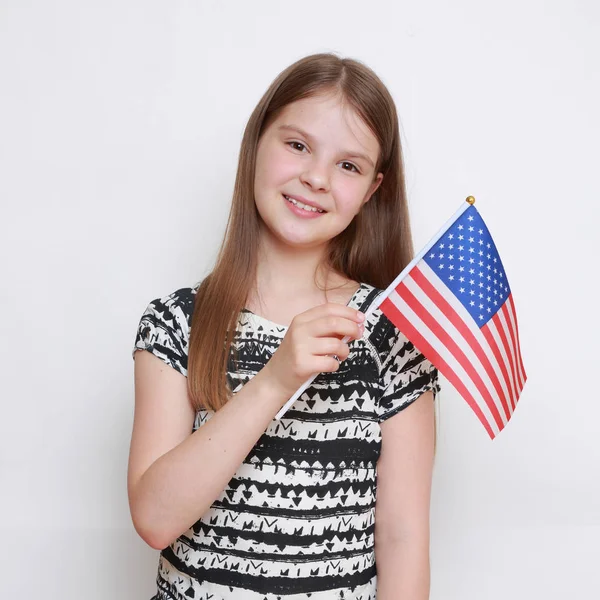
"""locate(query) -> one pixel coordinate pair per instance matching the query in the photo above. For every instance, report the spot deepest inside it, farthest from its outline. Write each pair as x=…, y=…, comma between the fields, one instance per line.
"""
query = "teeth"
x=303, y=206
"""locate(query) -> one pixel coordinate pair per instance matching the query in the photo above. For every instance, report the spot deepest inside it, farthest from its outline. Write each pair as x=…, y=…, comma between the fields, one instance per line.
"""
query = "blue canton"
x=465, y=258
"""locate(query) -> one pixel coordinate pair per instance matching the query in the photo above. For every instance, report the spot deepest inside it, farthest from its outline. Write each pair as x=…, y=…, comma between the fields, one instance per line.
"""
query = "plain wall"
x=120, y=125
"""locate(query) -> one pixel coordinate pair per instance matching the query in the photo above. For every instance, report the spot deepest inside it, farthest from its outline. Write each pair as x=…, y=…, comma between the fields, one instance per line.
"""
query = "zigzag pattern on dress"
x=297, y=519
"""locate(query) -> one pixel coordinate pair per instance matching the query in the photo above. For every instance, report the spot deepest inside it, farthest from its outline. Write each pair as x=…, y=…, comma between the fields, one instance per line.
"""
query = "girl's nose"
x=316, y=177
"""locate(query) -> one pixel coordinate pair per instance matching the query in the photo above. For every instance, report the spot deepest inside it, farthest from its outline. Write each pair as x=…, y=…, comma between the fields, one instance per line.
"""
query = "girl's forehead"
x=327, y=117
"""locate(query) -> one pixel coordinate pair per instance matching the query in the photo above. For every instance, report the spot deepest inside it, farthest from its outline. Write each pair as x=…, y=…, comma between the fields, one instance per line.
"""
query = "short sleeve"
x=163, y=329
x=405, y=375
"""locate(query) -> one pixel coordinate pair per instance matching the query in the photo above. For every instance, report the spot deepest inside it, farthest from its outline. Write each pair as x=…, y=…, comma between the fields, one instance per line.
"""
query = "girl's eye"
x=351, y=167
x=296, y=144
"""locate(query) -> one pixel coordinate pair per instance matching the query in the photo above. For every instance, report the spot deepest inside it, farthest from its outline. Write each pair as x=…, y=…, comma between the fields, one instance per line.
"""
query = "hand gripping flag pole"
x=453, y=302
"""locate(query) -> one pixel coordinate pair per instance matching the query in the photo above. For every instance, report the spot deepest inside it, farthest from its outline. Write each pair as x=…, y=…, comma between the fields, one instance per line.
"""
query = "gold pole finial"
x=471, y=200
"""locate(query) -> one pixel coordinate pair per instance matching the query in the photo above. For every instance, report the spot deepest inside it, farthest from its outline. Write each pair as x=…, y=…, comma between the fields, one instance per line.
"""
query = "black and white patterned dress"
x=296, y=521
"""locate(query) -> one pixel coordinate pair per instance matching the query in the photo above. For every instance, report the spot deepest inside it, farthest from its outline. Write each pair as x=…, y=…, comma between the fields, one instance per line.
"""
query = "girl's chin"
x=298, y=233
x=292, y=239
x=305, y=242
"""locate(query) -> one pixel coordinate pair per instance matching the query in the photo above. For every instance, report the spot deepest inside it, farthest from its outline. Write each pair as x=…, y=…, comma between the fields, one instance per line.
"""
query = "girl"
x=244, y=506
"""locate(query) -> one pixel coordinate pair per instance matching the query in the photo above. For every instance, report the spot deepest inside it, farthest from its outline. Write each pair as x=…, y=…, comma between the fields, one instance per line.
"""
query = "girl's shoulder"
x=175, y=309
x=164, y=327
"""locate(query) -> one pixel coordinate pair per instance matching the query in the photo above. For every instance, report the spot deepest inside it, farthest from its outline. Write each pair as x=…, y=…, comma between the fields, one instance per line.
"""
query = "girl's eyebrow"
x=309, y=137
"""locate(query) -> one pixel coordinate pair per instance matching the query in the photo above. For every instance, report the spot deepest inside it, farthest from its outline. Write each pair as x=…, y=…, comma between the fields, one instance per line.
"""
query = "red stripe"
x=503, y=333
x=513, y=352
x=496, y=350
x=520, y=383
x=513, y=339
x=452, y=347
x=514, y=312
x=398, y=319
x=504, y=339
x=438, y=299
x=499, y=360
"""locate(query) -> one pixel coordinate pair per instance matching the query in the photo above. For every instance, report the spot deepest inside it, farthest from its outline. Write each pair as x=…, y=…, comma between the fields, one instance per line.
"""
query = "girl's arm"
x=404, y=473
x=174, y=477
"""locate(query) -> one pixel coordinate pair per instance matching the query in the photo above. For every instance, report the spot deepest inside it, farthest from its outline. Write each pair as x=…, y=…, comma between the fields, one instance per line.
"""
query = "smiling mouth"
x=303, y=206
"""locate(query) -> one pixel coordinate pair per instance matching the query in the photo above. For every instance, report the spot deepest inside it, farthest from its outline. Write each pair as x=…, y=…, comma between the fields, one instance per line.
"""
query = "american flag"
x=454, y=303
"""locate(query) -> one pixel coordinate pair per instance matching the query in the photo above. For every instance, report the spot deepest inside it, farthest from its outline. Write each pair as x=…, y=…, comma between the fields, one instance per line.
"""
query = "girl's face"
x=318, y=152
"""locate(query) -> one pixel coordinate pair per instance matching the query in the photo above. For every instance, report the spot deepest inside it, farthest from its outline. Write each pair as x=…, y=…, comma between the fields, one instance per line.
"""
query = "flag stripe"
x=466, y=328
x=397, y=311
x=513, y=353
x=513, y=317
x=513, y=325
x=501, y=327
x=461, y=319
x=490, y=330
x=451, y=323
x=508, y=333
x=452, y=348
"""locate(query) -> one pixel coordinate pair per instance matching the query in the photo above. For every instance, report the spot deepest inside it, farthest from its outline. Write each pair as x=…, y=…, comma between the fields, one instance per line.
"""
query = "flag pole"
x=469, y=201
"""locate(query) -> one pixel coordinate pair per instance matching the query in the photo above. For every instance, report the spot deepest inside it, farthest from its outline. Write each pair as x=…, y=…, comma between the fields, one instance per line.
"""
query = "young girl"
x=245, y=506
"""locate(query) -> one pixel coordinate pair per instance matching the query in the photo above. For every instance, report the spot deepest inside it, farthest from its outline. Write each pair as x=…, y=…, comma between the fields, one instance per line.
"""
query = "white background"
x=120, y=124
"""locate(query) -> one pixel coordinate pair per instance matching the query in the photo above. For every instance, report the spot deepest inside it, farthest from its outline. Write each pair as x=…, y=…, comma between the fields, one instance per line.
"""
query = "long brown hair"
x=373, y=249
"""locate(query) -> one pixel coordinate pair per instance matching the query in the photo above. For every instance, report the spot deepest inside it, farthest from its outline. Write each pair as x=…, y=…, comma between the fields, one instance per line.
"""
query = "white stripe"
x=441, y=349
x=355, y=498
x=324, y=525
x=455, y=334
x=491, y=325
x=252, y=566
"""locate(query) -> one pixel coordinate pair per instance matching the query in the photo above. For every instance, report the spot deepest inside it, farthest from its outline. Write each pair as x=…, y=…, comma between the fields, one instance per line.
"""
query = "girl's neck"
x=289, y=282
x=286, y=271
x=282, y=307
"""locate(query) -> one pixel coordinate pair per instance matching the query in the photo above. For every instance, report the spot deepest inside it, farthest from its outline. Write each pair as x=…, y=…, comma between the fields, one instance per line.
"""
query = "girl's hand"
x=309, y=344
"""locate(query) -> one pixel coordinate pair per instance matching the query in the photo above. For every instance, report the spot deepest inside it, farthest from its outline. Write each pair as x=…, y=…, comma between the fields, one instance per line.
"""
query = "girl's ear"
x=374, y=187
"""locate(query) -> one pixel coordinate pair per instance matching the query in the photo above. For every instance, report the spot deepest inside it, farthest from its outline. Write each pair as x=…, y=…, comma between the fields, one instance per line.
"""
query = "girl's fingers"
x=331, y=347
x=335, y=326
x=332, y=309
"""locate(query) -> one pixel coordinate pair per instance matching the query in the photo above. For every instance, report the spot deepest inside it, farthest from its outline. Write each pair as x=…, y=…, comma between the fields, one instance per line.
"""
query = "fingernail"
x=361, y=315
